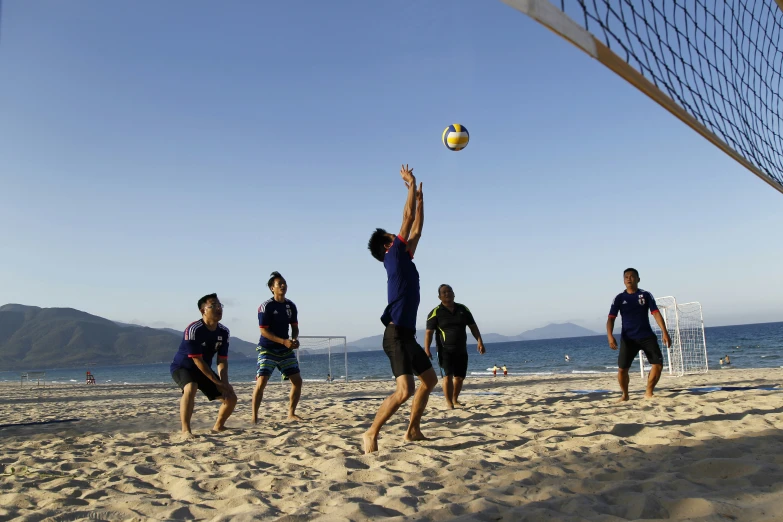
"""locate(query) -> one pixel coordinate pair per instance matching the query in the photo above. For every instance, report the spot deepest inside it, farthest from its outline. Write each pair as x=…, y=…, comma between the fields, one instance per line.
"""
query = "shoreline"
x=472, y=376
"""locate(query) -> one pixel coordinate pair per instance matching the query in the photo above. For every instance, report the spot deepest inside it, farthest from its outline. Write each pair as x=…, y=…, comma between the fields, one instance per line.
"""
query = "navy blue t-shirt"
x=276, y=316
x=199, y=341
x=402, y=286
x=634, y=308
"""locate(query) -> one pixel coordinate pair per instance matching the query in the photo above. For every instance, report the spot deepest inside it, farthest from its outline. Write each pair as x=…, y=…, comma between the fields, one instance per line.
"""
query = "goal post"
x=320, y=356
x=715, y=65
x=693, y=340
x=685, y=325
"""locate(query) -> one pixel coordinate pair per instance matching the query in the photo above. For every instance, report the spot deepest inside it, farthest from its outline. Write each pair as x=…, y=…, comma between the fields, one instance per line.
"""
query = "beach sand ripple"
x=534, y=450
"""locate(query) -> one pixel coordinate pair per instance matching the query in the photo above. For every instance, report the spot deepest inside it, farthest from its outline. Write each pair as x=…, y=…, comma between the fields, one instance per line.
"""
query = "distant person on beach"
x=192, y=365
x=505, y=371
x=447, y=322
x=275, y=349
x=636, y=335
x=495, y=370
x=406, y=356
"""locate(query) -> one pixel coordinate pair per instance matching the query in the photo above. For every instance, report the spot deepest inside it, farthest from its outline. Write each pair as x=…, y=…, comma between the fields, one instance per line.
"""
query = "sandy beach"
x=523, y=448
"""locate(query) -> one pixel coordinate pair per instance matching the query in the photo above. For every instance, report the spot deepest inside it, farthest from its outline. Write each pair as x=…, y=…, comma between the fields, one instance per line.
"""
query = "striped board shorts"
x=271, y=358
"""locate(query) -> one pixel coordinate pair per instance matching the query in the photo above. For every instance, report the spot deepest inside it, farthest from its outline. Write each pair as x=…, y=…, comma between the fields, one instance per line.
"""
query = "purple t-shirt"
x=634, y=308
x=199, y=341
x=402, y=286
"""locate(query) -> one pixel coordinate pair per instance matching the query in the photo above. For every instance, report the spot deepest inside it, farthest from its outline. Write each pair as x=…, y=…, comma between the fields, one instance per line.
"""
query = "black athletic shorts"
x=630, y=348
x=183, y=377
x=454, y=361
x=407, y=357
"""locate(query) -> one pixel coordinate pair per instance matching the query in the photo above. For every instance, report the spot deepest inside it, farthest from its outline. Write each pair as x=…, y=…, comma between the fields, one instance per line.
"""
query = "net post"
x=701, y=315
x=345, y=352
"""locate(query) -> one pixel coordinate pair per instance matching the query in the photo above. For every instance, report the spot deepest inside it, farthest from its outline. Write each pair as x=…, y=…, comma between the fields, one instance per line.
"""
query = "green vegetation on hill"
x=36, y=338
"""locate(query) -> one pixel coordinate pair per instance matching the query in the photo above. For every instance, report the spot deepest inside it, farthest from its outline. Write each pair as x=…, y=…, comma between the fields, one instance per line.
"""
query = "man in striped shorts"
x=275, y=349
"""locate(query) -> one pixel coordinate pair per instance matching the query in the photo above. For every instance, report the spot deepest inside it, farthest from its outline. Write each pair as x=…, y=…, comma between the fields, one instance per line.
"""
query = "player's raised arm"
x=418, y=222
x=410, y=203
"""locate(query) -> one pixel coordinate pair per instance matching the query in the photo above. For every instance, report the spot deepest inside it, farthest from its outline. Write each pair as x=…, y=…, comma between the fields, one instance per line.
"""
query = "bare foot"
x=370, y=443
x=219, y=428
x=293, y=417
x=186, y=435
x=254, y=421
x=623, y=398
x=449, y=406
x=458, y=404
x=413, y=435
x=648, y=395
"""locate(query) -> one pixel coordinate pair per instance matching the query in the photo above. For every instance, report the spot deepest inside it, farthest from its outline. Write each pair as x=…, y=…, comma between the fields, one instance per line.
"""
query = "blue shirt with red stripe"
x=200, y=341
x=276, y=316
x=402, y=286
x=634, y=308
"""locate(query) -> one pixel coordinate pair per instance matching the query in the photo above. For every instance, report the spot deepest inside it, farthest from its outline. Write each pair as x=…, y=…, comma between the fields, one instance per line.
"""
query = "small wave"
x=587, y=371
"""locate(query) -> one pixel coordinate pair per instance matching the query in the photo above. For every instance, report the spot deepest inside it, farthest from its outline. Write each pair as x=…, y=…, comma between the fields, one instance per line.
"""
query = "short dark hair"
x=203, y=301
x=447, y=286
x=635, y=271
x=377, y=244
x=272, y=277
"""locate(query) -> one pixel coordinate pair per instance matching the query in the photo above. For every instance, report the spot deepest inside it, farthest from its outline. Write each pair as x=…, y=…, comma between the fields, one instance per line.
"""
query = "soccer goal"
x=321, y=356
x=685, y=325
x=716, y=64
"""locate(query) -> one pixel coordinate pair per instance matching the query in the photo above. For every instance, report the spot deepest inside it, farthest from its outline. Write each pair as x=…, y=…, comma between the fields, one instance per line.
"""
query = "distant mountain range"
x=550, y=331
x=33, y=338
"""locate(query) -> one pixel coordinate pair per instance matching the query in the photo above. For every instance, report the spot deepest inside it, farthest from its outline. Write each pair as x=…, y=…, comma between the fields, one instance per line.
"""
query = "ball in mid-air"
x=456, y=137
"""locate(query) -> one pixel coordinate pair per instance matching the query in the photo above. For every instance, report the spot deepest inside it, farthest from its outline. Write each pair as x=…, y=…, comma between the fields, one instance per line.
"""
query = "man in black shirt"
x=447, y=322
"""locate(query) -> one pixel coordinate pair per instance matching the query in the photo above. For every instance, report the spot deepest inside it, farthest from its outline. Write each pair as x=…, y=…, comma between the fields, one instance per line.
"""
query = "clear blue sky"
x=153, y=152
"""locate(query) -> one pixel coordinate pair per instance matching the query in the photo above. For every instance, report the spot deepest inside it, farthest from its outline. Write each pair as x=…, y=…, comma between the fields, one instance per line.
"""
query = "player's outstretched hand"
x=612, y=343
x=407, y=175
x=420, y=194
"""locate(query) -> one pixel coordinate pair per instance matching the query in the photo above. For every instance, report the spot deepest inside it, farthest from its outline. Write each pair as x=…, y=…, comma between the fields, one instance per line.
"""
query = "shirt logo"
x=220, y=338
x=203, y=344
x=275, y=312
x=625, y=302
x=288, y=311
x=641, y=300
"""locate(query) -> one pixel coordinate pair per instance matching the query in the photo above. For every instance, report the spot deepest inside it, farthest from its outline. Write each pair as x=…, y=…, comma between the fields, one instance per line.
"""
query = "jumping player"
x=448, y=322
x=192, y=370
x=275, y=349
x=406, y=356
x=637, y=335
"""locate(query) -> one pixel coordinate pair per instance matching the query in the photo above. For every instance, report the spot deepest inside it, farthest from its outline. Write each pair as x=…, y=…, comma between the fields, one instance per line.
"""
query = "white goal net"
x=685, y=325
x=323, y=358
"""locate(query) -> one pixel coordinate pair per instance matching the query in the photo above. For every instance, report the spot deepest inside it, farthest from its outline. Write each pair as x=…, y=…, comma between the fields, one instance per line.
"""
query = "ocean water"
x=749, y=346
